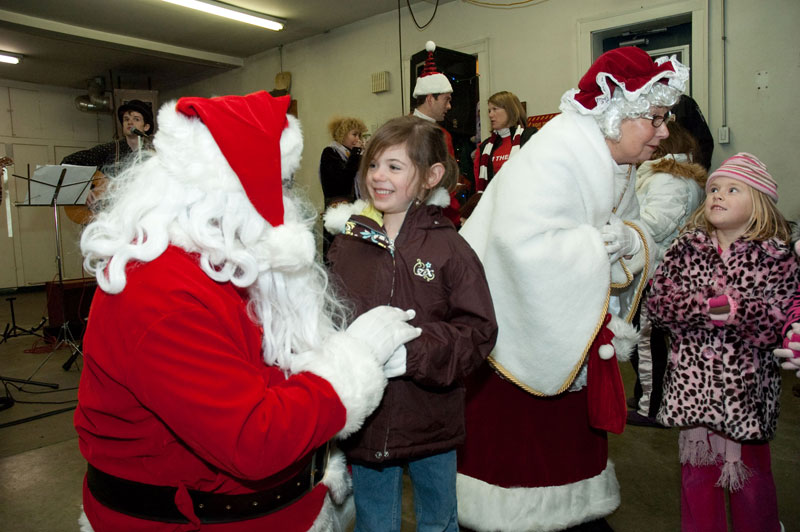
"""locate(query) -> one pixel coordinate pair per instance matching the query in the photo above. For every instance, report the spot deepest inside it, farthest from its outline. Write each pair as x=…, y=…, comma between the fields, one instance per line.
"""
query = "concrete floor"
x=42, y=470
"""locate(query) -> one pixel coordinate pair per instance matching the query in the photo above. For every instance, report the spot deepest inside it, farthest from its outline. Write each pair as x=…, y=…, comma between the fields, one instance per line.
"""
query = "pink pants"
x=754, y=508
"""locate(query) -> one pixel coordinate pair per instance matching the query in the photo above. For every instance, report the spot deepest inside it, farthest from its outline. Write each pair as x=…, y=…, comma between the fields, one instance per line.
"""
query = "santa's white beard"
x=296, y=310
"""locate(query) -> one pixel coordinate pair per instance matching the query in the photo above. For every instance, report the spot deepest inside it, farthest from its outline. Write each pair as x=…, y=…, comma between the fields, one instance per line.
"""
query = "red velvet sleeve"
x=249, y=422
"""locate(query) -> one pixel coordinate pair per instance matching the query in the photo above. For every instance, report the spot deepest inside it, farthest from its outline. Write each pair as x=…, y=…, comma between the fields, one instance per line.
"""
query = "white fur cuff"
x=350, y=367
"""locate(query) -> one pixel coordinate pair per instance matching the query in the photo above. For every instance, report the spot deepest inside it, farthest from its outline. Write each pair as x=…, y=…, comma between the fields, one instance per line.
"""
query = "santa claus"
x=218, y=365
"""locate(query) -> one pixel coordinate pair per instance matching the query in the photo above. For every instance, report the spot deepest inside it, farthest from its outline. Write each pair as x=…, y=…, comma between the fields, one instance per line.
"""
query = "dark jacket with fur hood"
x=431, y=269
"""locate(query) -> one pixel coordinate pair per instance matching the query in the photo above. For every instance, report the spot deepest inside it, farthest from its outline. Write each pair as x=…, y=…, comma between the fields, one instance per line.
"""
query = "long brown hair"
x=425, y=146
x=679, y=141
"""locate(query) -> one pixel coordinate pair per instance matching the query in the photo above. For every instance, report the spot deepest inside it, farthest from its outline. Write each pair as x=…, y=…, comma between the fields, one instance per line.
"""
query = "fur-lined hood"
x=336, y=217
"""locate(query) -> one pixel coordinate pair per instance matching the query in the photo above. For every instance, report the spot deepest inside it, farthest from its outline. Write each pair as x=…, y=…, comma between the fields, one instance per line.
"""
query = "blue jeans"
x=378, y=493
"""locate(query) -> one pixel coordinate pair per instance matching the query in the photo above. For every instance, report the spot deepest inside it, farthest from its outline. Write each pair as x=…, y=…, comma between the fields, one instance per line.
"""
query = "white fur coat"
x=537, y=232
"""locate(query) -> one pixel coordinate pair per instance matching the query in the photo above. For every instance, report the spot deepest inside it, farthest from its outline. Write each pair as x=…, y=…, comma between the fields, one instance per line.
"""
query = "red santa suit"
x=175, y=392
x=185, y=418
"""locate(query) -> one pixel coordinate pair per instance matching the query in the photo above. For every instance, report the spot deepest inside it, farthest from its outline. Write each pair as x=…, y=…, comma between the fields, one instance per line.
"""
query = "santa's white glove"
x=791, y=349
x=619, y=239
x=396, y=365
x=384, y=329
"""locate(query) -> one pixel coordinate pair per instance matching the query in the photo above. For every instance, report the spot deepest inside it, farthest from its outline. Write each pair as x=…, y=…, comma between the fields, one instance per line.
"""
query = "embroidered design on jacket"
x=424, y=270
x=363, y=232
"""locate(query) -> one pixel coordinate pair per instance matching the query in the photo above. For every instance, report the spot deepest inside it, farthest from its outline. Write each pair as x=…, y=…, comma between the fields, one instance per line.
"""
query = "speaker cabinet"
x=70, y=303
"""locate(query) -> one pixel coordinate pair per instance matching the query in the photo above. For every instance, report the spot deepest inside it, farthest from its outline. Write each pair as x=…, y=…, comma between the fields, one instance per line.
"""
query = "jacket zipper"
x=385, y=454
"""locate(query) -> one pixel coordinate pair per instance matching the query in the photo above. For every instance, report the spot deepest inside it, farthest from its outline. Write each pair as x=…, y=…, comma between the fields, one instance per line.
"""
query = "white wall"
x=534, y=51
x=39, y=125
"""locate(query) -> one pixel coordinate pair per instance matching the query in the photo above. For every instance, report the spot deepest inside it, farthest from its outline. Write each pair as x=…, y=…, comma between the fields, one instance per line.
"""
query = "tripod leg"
x=71, y=360
x=28, y=381
x=41, y=324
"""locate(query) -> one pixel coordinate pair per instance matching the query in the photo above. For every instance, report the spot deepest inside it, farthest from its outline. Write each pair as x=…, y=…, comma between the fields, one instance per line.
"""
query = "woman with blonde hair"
x=339, y=162
x=338, y=165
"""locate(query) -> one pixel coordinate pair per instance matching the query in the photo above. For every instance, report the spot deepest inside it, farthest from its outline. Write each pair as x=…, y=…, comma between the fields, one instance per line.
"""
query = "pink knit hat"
x=748, y=169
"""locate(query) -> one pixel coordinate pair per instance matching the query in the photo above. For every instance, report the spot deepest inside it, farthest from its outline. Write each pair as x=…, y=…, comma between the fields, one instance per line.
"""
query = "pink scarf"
x=700, y=446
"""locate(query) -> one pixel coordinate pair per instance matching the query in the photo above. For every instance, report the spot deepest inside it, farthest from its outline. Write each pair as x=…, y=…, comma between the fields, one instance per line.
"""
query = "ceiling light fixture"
x=8, y=57
x=232, y=12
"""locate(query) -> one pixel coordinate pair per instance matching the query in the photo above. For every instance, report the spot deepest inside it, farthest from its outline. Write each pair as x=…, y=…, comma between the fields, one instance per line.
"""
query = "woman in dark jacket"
x=338, y=165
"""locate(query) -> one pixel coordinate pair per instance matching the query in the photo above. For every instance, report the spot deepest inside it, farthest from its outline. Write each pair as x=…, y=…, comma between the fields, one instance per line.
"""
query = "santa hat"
x=258, y=141
x=747, y=169
x=431, y=81
x=631, y=70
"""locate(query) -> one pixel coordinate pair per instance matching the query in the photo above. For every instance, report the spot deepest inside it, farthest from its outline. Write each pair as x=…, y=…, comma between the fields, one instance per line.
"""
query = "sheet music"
x=74, y=188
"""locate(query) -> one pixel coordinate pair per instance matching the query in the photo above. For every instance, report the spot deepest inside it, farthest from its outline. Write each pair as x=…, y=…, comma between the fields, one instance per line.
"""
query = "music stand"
x=53, y=185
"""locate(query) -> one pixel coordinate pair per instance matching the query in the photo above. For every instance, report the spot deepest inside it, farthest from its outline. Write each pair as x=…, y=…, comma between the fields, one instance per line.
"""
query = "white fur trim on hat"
x=431, y=81
x=482, y=506
x=433, y=84
x=607, y=82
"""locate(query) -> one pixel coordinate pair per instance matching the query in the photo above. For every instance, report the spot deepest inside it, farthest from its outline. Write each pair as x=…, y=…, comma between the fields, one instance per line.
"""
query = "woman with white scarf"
x=338, y=165
x=509, y=134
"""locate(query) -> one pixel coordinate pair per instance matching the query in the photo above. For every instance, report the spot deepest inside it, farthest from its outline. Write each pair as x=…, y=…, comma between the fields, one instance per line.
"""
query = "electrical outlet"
x=724, y=135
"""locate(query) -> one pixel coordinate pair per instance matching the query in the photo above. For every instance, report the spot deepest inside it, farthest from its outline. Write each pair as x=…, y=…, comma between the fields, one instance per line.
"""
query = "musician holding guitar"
x=136, y=118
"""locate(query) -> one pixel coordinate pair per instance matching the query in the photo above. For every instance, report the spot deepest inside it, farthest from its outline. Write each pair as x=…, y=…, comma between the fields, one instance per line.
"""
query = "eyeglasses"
x=657, y=120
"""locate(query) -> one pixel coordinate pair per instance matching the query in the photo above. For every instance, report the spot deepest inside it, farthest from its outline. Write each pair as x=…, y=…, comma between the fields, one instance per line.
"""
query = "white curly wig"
x=187, y=195
x=618, y=99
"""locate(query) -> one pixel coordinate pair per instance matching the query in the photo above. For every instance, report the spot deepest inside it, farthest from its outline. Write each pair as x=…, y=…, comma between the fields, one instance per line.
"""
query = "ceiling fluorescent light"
x=8, y=57
x=233, y=13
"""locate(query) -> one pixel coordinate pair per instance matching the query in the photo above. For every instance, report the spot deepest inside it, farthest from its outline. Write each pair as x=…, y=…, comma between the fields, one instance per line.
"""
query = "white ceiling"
x=151, y=44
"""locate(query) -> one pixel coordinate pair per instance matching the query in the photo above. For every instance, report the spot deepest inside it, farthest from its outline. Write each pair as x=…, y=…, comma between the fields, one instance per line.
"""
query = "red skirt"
x=515, y=439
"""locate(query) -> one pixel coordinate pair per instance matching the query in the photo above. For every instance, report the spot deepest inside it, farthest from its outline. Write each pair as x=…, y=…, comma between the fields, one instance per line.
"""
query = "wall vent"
x=380, y=81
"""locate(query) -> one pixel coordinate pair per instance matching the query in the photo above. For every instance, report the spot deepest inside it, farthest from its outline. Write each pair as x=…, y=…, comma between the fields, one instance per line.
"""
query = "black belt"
x=157, y=503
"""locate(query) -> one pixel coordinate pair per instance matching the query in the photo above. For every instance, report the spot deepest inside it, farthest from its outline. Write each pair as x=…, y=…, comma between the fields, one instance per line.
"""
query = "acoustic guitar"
x=82, y=214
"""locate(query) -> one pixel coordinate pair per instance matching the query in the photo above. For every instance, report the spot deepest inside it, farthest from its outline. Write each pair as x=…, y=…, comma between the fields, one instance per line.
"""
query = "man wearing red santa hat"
x=217, y=363
x=432, y=96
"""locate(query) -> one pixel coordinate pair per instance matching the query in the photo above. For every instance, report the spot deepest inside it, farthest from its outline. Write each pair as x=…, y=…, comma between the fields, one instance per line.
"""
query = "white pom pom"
x=430, y=46
x=291, y=148
x=606, y=351
x=289, y=247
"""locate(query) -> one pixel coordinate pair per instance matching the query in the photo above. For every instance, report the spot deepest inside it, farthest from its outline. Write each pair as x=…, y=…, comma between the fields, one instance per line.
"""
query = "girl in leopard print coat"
x=722, y=292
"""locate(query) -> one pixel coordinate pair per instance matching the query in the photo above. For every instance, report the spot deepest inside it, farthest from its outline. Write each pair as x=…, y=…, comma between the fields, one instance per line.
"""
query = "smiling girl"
x=722, y=292
x=399, y=249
